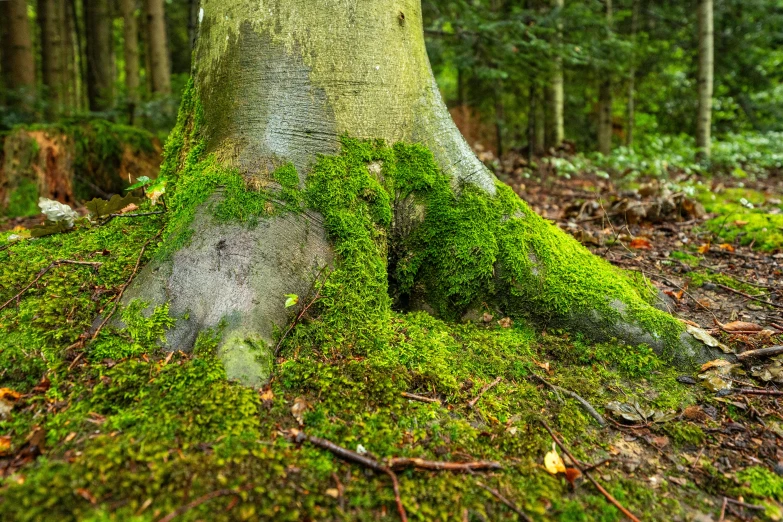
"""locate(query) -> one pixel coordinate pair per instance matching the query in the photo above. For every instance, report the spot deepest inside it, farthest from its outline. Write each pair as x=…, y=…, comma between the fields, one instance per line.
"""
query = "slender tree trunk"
x=71, y=82
x=705, y=82
x=130, y=33
x=52, y=24
x=100, y=63
x=281, y=87
x=605, y=99
x=193, y=10
x=555, y=92
x=539, y=124
x=158, y=50
x=16, y=52
x=631, y=116
x=80, y=54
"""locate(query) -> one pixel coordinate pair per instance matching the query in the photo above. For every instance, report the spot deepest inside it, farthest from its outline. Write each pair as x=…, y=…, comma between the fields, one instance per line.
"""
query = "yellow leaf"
x=704, y=248
x=553, y=463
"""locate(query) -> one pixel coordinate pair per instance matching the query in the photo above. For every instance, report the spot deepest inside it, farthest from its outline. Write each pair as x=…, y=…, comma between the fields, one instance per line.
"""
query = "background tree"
x=17, y=62
x=605, y=95
x=130, y=32
x=706, y=64
x=51, y=23
x=99, y=54
x=159, y=71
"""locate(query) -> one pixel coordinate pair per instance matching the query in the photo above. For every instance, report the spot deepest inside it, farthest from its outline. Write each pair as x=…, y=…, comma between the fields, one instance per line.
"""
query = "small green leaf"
x=141, y=181
x=100, y=207
x=292, y=300
x=49, y=228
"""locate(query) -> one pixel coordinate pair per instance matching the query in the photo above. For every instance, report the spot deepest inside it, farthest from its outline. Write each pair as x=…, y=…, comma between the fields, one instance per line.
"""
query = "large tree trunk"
x=16, y=51
x=605, y=99
x=158, y=50
x=555, y=92
x=100, y=63
x=130, y=32
x=284, y=84
x=706, y=63
x=51, y=22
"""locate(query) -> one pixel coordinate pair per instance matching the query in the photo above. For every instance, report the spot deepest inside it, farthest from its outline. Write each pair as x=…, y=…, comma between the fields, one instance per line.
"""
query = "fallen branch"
x=136, y=215
x=754, y=507
x=598, y=486
x=486, y=387
x=723, y=510
x=397, y=463
x=748, y=296
x=586, y=405
x=204, y=498
x=44, y=271
x=752, y=391
x=352, y=456
x=513, y=507
x=420, y=398
x=761, y=352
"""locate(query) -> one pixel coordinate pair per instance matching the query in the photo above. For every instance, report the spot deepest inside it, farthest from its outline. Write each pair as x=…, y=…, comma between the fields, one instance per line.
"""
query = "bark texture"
x=160, y=74
x=100, y=63
x=605, y=99
x=16, y=47
x=706, y=64
x=51, y=22
x=278, y=86
x=555, y=93
x=130, y=32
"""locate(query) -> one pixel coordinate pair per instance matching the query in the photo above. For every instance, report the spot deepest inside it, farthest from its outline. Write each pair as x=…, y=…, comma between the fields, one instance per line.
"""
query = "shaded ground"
x=114, y=429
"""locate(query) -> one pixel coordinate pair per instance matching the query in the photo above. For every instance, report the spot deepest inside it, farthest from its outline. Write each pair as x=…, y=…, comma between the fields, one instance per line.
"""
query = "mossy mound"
x=71, y=161
x=745, y=217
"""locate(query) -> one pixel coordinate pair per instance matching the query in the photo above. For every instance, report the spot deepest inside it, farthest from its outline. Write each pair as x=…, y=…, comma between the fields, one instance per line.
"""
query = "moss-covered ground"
x=745, y=216
x=132, y=433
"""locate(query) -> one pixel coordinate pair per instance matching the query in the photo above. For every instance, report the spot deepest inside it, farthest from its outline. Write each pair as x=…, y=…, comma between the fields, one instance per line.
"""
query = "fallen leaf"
x=703, y=249
x=506, y=322
x=741, y=326
x=726, y=246
x=703, y=336
x=5, y=445
x=332, y=492
x=717, y=363
x=129, y=208
x=298, y=409
x=571, y=474
x=553, y=462
x=641, y=243
x=740, y=223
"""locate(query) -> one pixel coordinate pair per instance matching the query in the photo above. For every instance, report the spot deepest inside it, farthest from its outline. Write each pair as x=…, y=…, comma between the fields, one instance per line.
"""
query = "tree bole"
x=281, y=87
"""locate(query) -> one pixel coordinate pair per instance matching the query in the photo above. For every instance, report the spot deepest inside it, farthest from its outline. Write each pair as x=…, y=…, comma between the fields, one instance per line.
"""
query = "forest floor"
x=114, y=429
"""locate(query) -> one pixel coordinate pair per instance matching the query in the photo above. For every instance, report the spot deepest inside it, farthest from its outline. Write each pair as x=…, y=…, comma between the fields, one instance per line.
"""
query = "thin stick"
x=397, y=463
x=751, y=391
x=754, y=507
x=761, y=352
x=586, y=405
x=723, y=509
x=122, y=289
x=513, y=507
x=44, y=271
x=486, y=387
x=420, y=398
x=352, y=456
x=748, y=296
x=598, y=486
x=200, y=500
x=137, y=215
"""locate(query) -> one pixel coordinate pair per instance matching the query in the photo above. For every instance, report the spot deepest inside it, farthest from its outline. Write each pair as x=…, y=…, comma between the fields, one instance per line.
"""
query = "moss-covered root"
x=472, y=249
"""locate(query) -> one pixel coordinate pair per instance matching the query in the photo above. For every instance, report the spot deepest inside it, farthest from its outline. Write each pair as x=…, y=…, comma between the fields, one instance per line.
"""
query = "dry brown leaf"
x=641, y=243
x=704, y=248
x=129, y=208
x=506, y=322
x=571, y=474
x=298, y=409
x=714, y=364
x=740, y=223
x=5, y=445
x=726, y=246
x=741, y=326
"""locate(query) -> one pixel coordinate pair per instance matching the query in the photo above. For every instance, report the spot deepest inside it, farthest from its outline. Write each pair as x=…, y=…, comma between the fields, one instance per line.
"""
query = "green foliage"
x=102, y=208
x=23, y=200
x=761, y=482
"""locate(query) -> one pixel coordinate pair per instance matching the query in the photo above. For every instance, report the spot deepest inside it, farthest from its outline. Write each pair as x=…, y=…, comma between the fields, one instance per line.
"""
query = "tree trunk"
x=100, y=63
x=130, y=31
x=271, y=181
x=51, y=23
x=555, y=93
x=605, y=99
x=631, y=110
x=16, y=52
x=706, y=63
x=158, y=50
x=71, y=82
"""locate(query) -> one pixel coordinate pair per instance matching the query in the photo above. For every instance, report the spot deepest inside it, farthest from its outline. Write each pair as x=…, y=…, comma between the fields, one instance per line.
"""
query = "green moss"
x=685, y=433
x=746, y=217
x=23, y=200
x=761, y=482
x=699, y=278
x=685, y=257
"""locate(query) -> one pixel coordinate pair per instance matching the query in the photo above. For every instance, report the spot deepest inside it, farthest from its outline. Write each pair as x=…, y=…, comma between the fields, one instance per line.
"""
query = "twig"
x=751, y=391
x=723, y=510
x=137, y=215
x=304, y=310
x=486, y=387
x=397, y=463
x=43, y=271
x=124, y=286
x=696, y=461
x=513, y=507
x=761, y=352
x=204, y=498
x=352, y=456
x=754, y=507
x=748, y=296
x=420, y=398
x=586, y=405
x=598, y=486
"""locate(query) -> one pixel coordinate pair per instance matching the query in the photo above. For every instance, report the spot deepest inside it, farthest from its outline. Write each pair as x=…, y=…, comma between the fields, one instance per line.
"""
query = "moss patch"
x=746, y=217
